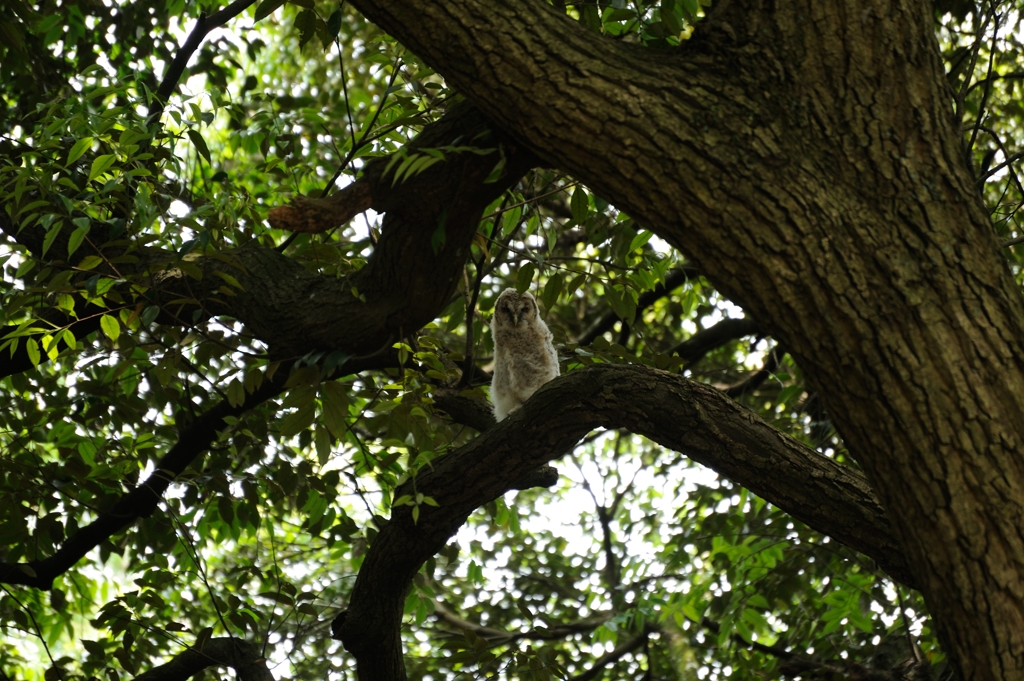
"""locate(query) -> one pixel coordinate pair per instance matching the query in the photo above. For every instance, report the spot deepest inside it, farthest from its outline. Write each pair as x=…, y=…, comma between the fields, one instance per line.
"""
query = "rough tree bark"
x=805, y=156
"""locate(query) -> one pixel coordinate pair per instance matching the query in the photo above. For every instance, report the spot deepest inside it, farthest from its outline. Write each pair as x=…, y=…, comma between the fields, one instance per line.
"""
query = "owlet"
x=524, y=357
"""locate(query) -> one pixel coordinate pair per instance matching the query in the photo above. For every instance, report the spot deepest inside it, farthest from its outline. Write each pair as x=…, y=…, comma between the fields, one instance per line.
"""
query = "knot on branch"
x=314, y=215
x=337, y=624
x=545, y=476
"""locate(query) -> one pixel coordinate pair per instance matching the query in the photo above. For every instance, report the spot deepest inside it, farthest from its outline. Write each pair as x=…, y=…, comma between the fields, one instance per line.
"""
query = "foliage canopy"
x=191, y=455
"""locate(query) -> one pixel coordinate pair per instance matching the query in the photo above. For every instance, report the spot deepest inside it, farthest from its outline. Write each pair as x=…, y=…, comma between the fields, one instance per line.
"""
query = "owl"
x=524, y=357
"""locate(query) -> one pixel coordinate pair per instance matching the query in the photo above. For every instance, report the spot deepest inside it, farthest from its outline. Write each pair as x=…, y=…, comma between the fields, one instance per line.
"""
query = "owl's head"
x=514, y=308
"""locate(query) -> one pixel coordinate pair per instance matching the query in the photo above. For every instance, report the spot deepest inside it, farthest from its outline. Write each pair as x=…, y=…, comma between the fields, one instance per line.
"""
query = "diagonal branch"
x=683, y=415
x=203, y=26
x=141, y=501
x=244, y=658
x=756, y=379
x=501, y=636
x=615, y=655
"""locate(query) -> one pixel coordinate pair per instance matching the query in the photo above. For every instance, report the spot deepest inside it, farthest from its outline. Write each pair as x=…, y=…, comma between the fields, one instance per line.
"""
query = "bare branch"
x=558, y=631
x=203, y=26
x=706, y=340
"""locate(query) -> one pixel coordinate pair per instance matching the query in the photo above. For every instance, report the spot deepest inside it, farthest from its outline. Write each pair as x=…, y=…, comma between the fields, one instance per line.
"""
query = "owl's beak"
x=515, y=319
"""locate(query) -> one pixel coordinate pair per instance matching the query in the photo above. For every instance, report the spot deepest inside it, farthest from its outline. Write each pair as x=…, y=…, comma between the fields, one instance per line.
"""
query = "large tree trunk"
x=804, y=154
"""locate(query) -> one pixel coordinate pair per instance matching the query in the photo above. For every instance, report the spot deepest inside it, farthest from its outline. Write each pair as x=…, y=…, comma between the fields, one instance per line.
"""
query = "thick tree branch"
x=472, y=412
x=748, y=148
x=244, y=658
x=314, y=215
x=689, y=417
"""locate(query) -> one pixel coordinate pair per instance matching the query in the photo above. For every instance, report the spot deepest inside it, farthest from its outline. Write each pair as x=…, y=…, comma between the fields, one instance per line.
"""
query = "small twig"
x=481, y=272
x=988, y=84
x=39, y=632
x=203, y=26
x=192, y=552
x=356, y=145
x=755, y=380
x=961, y=96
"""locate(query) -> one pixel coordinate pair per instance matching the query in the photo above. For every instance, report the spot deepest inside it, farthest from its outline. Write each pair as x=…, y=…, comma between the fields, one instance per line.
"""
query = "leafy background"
x=636, y=550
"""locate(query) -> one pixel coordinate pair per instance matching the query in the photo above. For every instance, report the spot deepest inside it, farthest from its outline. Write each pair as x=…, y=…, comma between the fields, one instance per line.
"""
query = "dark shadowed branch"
x=203, y=26
x=406, y=282
x=244, y=658
x=706, y=340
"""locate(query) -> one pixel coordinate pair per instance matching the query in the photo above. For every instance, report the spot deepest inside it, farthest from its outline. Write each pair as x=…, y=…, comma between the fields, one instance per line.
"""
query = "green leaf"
x=149, y=315
x=510, y=220
x=322, y=440
x=100, y=164
x=110, y=326
x=579, y=205
x=89, y=262
x=305, y=23
x=266, y=8
x=640, y=239
x=671, y=18
x=298, y=421
x=334, y=23
x=525, y=277
x=229, y=279
x=551, y=290
x=32, y=348
x=574, y=284
x=334, y=402
x=76, y=239
x=199, y=143
x=24, y=268
x=51, y=234
x=80, y=147
x=236, y=393
x=591, y=17
x=69, y=338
